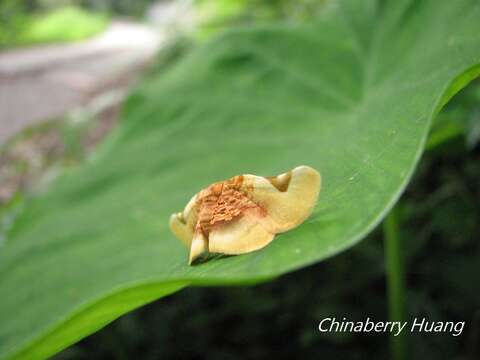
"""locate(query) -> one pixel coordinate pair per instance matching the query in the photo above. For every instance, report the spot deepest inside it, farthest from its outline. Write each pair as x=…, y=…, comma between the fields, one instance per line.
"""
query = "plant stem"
x=394, y=257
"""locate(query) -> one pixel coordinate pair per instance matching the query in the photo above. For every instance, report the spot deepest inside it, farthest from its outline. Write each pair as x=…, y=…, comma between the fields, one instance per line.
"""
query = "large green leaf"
x=352, y=95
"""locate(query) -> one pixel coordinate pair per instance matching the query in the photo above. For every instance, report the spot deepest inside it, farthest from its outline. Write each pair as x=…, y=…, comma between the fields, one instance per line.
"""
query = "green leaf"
x=352, y=95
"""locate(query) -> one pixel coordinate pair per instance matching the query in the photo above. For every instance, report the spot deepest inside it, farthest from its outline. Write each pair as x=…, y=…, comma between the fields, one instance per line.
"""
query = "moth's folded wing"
x=240, y=236
x=182, y=224
x=180, y=229
x=289, y=198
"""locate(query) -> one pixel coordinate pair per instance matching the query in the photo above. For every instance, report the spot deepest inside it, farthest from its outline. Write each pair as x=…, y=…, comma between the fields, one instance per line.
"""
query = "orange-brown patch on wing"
x=222, y=202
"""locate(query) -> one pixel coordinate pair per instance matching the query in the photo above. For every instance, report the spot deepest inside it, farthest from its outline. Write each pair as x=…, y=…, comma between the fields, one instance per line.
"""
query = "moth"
x=244, y=213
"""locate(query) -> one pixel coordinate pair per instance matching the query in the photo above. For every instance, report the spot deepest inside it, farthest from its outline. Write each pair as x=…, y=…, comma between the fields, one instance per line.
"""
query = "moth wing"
x=238, y=237
x=180, y=229
x=183, y=223
x=287, y=198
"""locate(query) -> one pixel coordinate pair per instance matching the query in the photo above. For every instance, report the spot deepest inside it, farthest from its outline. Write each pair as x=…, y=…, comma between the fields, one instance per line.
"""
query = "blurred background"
x=66, y=67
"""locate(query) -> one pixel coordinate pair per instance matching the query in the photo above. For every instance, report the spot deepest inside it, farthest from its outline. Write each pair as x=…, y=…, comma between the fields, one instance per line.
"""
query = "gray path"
x=41, y=83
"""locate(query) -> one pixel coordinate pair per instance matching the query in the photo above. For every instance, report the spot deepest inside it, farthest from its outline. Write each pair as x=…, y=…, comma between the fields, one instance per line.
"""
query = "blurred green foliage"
x=20, y=23
x=215, y=15
x=136, y=8
x=260, y=10
x=63, y=24
x=13, y=16
x=460, y=119
x=24, y=22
